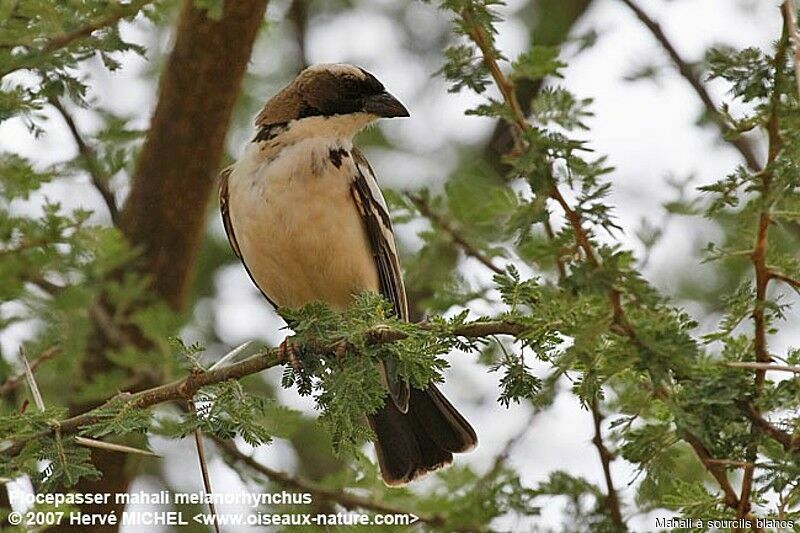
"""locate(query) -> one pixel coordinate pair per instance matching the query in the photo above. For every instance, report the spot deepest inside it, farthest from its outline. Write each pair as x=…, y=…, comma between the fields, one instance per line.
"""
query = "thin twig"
x=115, y=335
x=112, y=332
x=12, y=382
x=32, y=385
x=201, y=455
x=767, y=367
x=783, y=437
x=744, y=147
x=82, y=441
x=606, y=457
x=101, y=445
x=449, y=228
x=793, y=283
x=731, y=499
x=92, y=165
x=551, y=236
x=729, y=463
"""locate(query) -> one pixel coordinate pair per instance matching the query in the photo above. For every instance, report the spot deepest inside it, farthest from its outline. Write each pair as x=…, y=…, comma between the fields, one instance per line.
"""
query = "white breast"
x=298, y=229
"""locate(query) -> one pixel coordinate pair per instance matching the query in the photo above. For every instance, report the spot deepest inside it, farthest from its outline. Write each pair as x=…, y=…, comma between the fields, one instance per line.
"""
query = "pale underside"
x=273, y=205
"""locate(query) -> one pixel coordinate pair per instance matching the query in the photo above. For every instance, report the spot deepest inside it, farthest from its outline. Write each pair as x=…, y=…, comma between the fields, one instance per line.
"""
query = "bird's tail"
x=422, y=440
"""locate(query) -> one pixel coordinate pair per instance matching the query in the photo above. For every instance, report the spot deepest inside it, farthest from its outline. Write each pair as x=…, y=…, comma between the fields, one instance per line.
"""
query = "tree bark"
x=165, y=212
x=174, y=178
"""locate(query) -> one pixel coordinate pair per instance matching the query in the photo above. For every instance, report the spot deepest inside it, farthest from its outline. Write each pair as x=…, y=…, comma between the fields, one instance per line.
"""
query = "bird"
x=303, y=211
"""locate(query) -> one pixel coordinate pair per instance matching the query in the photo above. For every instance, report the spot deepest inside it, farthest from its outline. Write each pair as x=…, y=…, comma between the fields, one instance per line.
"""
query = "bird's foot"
x=342, y=349
x=289, y=351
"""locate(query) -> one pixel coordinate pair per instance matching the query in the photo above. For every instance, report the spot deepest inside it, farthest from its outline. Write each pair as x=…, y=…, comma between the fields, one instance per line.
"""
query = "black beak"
x=384, y=105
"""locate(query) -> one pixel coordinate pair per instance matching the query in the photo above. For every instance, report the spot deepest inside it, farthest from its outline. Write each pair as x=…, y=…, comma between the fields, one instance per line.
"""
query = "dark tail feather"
x=422, y=440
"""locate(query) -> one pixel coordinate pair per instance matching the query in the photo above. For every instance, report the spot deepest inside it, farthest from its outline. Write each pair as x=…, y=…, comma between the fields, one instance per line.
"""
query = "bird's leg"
x=288, y=351
x=342, y=348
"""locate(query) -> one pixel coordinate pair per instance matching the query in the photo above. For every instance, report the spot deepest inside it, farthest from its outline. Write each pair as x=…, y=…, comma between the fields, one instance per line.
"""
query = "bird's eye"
x=351, y=86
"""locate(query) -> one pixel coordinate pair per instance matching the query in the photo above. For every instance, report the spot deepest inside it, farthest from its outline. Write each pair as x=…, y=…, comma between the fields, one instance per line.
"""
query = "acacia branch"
x=184, y=389
x=58, y=42
x=758, y=257
x=606, y=457
x=716, y=470
x=551, y=27
x=621, y=324
x=741, y=144
x=346, y=499
x=484, y=43
x=113, y=334
x=92, y=165
x=782, y=437
x=449, y=228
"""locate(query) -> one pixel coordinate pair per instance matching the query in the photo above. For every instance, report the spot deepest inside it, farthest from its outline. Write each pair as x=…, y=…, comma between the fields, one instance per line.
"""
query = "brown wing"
x=375, y=214
x=224, y=208
x=376, y=219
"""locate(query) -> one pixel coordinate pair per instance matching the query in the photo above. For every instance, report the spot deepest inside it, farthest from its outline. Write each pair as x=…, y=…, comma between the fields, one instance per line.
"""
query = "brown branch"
x=26, y=245
x=12, y=382
x=175, y=174
x=581, y=235
x=506, y=87
x=201, y=456
x=792, y=282
x=449, y=228
x=606, y=457
x=552, y=22
x=783, y=437
x=181, y=389
x=741, y=144
x=185, y=388
x=113, y=334
x=717, y=471
x=729, y=463
x=561, y=266
x=346, y=499
x=762, y=274
x=92, y=165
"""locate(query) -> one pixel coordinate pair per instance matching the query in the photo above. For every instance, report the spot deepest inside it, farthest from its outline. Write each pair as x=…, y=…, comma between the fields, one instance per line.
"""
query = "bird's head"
x=332, y=99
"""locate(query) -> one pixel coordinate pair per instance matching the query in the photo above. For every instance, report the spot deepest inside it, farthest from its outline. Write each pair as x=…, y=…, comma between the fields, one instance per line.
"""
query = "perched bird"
x=304, y=213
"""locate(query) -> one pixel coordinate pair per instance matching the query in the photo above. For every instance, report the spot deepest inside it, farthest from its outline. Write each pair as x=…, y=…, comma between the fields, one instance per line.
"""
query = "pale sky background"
x=646, y=128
